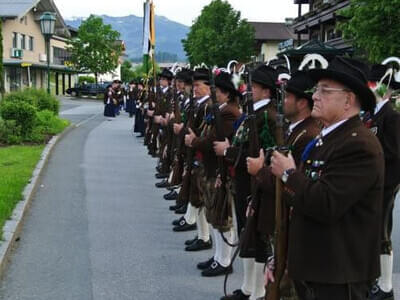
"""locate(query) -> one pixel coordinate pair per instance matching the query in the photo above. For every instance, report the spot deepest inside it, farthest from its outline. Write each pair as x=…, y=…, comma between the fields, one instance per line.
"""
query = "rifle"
x=190, y=122
x=175, y=143
x=281, y=211
x=248, y=234
x=149, y=96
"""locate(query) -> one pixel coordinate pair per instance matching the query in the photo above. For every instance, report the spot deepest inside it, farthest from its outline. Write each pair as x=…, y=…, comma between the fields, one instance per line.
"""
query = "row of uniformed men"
x=339, y=177
x=117, y=97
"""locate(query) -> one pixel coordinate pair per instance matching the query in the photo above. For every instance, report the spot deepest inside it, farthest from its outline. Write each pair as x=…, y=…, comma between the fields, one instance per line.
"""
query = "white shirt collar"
x=327, y=130
x=221, y=106
x=202, y=100
x=164, y=90
x=293, y=126
x=187, y=101
x=379, y=105
x=257, y=105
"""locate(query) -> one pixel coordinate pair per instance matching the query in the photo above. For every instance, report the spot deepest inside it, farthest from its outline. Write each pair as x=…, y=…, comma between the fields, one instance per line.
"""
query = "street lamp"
x=47, y=25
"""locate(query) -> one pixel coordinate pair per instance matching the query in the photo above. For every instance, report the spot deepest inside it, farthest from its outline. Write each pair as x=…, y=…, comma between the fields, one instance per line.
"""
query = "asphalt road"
x=99, y=229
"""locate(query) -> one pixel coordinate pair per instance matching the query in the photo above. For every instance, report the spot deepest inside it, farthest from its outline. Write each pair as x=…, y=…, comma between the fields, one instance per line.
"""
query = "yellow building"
x=269, y=36
x=24, y=51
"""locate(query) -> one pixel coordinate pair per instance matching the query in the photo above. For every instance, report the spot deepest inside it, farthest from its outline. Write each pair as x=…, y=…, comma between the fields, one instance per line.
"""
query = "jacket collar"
x=259, y=104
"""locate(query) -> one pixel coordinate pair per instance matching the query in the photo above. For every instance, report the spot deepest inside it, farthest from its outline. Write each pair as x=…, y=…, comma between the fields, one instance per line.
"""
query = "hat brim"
x=366, y=96
x=264, y=84
x=227, y=88
x=299, y=93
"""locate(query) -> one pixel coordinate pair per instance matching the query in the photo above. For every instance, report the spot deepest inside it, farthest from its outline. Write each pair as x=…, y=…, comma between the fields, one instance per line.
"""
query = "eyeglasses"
x=324, y=90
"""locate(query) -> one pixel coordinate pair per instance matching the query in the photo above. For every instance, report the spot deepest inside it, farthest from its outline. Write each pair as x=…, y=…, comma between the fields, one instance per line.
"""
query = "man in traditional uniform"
x=139, y=114
x=195, y=211
x=183, y=89
x=336, y=192
x=131, y=98
x=385, y=123
x=216, y=198
x=161, y=116
x=302, y=129
x=263, y=89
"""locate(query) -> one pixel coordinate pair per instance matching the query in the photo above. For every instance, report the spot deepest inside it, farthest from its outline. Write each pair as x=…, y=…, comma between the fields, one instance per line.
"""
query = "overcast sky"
x=182, y=11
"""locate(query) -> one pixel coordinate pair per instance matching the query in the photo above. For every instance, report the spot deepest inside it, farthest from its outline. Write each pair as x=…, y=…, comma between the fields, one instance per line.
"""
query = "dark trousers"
x=322, y=291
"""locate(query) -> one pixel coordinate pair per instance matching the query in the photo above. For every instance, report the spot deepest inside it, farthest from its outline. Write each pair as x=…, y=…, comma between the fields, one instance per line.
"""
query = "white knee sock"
x=385, y=281
x=248, y=275
x=203, y=232
x=259, y=289
x=170, y=177
x=191, y=214
x=217, y=242
x=225, y=251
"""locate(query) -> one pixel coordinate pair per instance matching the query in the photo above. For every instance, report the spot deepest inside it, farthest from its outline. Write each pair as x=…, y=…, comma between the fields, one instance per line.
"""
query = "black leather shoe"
x=215, y=269
x=205, y=264
x=162, y=175
x=162, y=184
x=199, y=245
x=171, y=196
x=176, y=222
x=236, y=295
x=158, y=169
x=173, y=207
x=184, y=226
x=181, y=210
x=377, y=294
x=189, y=242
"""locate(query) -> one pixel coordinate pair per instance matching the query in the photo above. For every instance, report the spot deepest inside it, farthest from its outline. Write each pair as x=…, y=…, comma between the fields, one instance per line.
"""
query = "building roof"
x=19, y=8
x=16, y=8
x=272, y=31
x=315, y=46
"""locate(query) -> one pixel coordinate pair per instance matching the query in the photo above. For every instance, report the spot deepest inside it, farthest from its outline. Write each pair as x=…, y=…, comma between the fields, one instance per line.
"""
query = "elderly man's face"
x=330, y=101
x=200, y=89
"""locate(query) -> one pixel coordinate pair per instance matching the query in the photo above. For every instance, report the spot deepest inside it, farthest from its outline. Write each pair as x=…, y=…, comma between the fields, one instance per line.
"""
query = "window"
x=330, y=34
x=15, y=40
x=60, y=56
x=23, y=41
x=31, y=43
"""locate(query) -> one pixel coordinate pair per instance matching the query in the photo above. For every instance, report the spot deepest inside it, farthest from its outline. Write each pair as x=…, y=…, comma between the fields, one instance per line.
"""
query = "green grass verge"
x=16, y=166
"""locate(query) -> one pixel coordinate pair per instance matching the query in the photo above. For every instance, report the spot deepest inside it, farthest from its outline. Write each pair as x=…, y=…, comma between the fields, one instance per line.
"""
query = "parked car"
x=87, y=89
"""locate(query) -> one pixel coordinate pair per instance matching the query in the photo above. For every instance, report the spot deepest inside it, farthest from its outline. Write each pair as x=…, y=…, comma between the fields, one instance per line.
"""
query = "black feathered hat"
x=166, y=74
x=351, y=73
x=378, y=71
x=301, y=84
x=202, y=74
x=223, y=80
x=266, y=76
x=185, y=75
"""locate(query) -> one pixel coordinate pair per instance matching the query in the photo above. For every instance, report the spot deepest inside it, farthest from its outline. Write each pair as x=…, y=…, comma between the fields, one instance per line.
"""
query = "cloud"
x=178, y=10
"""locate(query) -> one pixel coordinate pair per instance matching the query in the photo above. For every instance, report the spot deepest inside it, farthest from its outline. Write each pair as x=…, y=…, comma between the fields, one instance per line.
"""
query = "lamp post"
x=47, y=26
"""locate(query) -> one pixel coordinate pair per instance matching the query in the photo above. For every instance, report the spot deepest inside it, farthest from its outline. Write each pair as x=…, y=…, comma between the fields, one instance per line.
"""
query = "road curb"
x=12, y=227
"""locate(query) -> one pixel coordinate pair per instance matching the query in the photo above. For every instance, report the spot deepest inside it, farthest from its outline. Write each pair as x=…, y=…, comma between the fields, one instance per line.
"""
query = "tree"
x=97, y=47
x=127, y=73
x=1, y=61
x=219, y=35
x=140, y=71
x=373, y=26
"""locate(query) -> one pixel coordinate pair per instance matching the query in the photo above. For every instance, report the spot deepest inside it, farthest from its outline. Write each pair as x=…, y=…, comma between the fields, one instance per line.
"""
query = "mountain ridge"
x=168, y=34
